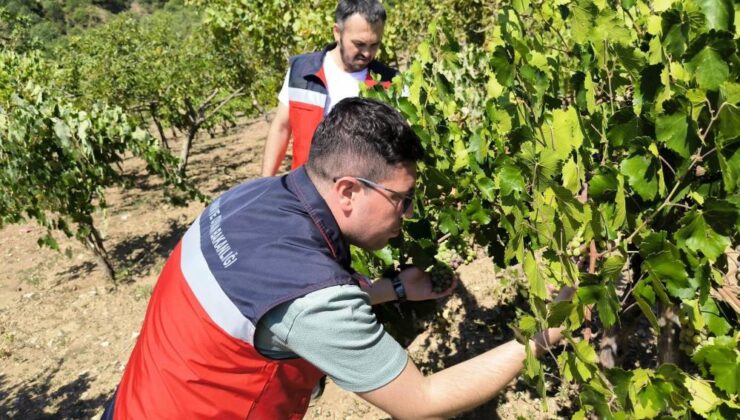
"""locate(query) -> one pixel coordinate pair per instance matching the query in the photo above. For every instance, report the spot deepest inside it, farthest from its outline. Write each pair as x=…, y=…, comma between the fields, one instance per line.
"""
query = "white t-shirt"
x=340, y=84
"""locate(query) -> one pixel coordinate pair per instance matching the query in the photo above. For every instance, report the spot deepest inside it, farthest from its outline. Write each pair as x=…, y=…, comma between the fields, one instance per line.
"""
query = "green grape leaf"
x=641, y=171
x=62, y=131
x=478, y=146
x=385, y=254
x=730, y=92
x=713, y=318
x=623, y=126
x=609, y=27
x=502, y=66
x=571, y=177
x=584, y=14
x=600, y=184
x=697, y=236
x=703, y=398
x=509, y=180
x=475, y=212
x=537, y=285
x=447, y=222
x=723, y=359
x=585, y=352
x=729, y=163
x=558, y=312
x=648, y=312
x=662, y=5
x=408, y=110
x=729, y=121
x=604, y=300
x=672, y=130
x=649, y=402
x=563, y=134
x=486, y=186
x=620, y=201
x=723, y=216
x=718, y=13
x=650, y=84
x=528, y=325
x=709, y=68
x=612, y=267
x=663, y=267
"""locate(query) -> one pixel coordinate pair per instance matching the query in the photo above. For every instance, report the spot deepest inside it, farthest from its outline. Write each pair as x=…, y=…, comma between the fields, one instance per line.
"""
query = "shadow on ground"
x=136, y=256
x=479, y=329
x=31, y=400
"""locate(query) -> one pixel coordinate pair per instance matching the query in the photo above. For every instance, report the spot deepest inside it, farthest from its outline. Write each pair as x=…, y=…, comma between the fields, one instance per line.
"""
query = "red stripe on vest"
x=185, y=366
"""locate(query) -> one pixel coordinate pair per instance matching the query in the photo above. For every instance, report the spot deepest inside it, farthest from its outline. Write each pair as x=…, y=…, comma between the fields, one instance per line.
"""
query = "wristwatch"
x=399, y=289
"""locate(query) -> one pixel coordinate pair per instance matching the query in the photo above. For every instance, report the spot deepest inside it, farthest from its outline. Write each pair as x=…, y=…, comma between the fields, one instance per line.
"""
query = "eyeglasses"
x=395, y=197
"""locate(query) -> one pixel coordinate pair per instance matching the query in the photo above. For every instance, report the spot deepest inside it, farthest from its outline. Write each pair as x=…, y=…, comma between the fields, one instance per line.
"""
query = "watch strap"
x=399, y=288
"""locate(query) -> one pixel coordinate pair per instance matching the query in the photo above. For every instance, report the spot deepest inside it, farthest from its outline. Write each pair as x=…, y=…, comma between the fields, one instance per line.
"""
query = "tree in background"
x=56, y=158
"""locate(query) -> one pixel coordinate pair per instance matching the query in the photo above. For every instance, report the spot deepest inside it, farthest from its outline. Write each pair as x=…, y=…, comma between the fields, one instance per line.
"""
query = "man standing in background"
x=316, y=81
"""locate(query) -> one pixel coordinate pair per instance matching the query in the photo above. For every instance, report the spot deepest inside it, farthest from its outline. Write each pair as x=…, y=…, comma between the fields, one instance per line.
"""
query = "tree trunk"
x=262, y=111
x=94, y=243
x=162, y=137
x=185, y=152
x=668, y=341
x=613, y=338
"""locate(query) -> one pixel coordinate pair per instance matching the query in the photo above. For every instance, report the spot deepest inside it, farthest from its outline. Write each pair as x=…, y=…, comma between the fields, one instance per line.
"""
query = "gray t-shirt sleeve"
x=336, y=330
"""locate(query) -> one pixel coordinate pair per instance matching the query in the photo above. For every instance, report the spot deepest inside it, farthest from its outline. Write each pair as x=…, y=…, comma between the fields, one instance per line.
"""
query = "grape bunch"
x=574, y=246
x=453, y=257
x=442, y=276
x=689, y=337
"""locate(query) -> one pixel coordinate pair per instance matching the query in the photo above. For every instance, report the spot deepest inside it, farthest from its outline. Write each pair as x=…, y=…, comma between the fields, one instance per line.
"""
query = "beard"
x=351, y=63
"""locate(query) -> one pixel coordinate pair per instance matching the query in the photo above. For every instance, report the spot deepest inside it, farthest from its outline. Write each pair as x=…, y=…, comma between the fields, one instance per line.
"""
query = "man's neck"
x=336, y=55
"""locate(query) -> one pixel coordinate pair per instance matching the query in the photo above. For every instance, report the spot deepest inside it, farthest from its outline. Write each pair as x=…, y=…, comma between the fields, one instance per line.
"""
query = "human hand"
x=564, y=294
x=418, y=285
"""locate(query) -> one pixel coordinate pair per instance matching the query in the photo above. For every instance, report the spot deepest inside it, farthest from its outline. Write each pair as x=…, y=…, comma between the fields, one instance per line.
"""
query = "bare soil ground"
x=66, y=333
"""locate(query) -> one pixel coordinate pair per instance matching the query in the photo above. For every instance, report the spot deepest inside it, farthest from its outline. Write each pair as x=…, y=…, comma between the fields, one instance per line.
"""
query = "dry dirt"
x=66, y=333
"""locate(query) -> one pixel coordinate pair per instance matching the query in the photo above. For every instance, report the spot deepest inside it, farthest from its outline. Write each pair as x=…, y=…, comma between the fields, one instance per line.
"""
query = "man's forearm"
x=475, y=381
x=458, y=388
x=380, y=291
x=275, y=148
x=277, y=142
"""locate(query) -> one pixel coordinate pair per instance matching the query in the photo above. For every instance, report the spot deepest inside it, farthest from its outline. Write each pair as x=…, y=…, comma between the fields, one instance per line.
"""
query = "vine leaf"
x=672, y=130
x=711, y=314
x=709, y=68
x=509, y=179
x=641, y=170
x=665, y=267
x=703, y=400
x=723, y=360
x=571, y=179
x=717, y=13
x=536, y=281
x=604, y=300
x=696, y=235
x=563, y=134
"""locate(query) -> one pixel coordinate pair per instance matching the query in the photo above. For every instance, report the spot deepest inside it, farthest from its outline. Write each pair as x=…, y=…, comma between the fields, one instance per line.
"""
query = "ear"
x=345, y=189
x=337, y=33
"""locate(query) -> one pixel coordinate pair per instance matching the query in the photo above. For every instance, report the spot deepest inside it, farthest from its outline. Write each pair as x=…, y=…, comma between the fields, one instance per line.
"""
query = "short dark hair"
x=371, y=10
x=362, y=137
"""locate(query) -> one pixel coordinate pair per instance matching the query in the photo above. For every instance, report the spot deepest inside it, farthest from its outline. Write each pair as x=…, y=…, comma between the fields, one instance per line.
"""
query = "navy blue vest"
x=272, y=240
